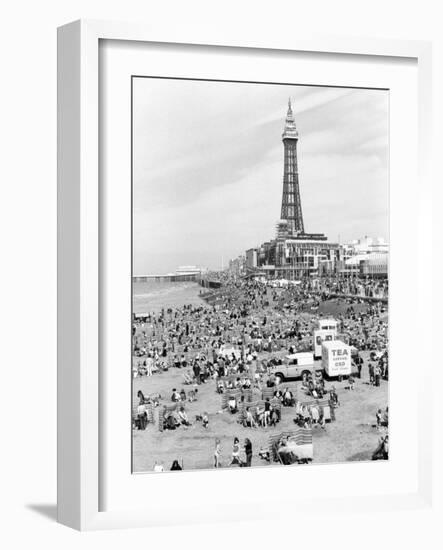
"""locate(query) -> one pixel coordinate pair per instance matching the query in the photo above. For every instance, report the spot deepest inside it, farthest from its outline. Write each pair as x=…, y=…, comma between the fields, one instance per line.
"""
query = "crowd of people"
x=354, y=286
x=252, y=318
x=242, y=332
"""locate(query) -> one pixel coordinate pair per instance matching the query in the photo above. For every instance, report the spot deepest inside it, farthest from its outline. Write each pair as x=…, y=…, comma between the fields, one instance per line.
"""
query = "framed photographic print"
x=235, y=221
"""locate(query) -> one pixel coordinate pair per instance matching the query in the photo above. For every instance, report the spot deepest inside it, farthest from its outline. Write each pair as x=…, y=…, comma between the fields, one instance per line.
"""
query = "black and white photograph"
x=221, y=272
x=260, y=263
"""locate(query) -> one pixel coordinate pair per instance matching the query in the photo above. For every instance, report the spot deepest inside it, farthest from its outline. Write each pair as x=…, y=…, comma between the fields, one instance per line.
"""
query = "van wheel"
x=280, y=375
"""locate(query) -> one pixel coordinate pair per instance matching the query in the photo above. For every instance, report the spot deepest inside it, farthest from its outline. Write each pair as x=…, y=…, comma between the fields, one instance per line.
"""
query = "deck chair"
x=327, y=413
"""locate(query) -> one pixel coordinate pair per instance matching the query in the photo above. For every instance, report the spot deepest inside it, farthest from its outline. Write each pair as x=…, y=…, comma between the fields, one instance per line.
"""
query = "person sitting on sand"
x=351, y=382
x=278, y=394
x=205, y=420
x=182, y=395
x=175, y=397
x=141, y=398
x=285, y=454
x=183, y=417
x=170, y=422
x=176, y=466
x=158, y=467
x=311, y=388
x=334, y=397
x=192, y=395
x=382, y=451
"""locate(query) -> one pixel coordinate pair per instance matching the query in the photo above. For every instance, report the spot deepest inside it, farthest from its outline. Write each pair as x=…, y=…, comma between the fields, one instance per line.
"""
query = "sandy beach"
x=352, y=436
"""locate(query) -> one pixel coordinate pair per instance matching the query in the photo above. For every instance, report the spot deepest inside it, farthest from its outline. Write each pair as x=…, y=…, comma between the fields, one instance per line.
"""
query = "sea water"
x=152, y=296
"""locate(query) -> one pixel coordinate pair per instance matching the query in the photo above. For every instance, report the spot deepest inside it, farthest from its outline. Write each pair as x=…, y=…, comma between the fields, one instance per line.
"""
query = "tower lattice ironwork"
x=291, y=203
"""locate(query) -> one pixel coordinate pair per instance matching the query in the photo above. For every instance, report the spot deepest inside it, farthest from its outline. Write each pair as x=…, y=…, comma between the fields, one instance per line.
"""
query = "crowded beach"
x=208, y=388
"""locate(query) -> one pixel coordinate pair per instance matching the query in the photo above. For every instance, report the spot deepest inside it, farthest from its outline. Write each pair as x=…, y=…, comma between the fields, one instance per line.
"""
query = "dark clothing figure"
x=248, y=451
x=196, y=369
x=371, y=374
x=142, y=421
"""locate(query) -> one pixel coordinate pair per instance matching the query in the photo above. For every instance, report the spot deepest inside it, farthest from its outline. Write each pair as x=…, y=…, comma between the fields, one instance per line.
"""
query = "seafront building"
x=366, y=257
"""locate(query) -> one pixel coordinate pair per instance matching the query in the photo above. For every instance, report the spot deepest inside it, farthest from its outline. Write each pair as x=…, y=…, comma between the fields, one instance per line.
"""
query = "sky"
x=208, y=167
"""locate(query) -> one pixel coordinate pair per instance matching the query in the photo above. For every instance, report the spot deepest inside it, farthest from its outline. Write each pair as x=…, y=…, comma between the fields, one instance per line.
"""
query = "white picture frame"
x=80, y=267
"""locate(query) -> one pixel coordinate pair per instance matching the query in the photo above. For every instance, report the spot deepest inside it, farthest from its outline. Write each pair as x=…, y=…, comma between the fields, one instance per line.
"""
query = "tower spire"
x=290, y=130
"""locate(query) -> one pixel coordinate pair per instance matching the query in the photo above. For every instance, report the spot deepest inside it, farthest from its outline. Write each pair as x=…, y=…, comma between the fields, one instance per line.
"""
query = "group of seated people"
x=261, y=415
x=174, y=419
x=286, y=397
x=243, y=383
x=148, y=366
x=176, y=396
x=288, y=452
x=153, y=399
x=306, y=417
x=314, y=388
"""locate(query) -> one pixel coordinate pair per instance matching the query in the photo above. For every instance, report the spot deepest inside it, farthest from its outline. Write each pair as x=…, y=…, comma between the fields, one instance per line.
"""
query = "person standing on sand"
x=149, y=365
x=235, y=453
x=217, y=454
x=248, y=452
x=377, y=375
x=359, y=363
x=371, y=374
x=196, y=369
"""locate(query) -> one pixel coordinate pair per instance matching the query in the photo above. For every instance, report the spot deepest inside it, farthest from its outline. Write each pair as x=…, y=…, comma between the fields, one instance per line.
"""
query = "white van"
x=295, y=365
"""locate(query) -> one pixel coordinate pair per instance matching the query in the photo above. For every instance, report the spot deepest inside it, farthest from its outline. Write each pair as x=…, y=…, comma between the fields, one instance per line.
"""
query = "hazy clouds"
x=208, y=167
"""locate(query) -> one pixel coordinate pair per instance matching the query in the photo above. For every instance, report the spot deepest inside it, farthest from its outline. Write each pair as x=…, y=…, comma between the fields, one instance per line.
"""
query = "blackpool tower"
x=291, y=204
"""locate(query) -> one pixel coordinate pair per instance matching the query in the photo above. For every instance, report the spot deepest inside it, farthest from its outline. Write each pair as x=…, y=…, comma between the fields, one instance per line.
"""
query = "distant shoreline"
x=153, y=296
